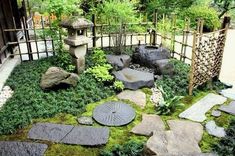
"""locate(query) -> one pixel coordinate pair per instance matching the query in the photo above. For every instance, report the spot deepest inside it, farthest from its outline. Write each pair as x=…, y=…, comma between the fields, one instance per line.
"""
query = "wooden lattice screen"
x=207, y=56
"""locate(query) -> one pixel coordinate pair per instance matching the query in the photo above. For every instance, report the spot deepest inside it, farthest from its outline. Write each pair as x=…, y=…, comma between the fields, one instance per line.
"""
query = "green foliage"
x=208, y=14
x=131, y=148
x=29, y=101
x=176, y=85
x=168, y=105
x=118, y=85
x=226, y=146
x=101, y=72
x=98, y=57
x=224, y=6
x=168, y=6
x=64, y=60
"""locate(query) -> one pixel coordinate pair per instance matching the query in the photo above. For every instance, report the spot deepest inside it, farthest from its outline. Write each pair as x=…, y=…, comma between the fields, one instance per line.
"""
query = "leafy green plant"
x=98, y=57
x=64, y=60
x=226, y=146
x=29, y=101
x=101, y=73
x=131, y=148
x=208, y=14
x=168, y=105
x=118, y=85
x=177, y=84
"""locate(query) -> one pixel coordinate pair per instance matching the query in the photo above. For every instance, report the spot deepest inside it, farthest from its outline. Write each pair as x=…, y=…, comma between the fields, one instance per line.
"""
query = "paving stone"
x=49, y=131
x=114, y=114
x=12, y=148
x=214, y=130
x=156, y=96
x=148, y=125
x=182, y=139
x=216, y=113
x=85, y=120
x=197, y=111
x=134, y=79
x=87, y=135
x=229, y=93
x=228, y=108
x=138, y=97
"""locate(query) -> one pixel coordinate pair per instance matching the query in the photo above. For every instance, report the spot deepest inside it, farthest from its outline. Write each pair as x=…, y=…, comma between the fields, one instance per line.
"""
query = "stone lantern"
x=77, y=40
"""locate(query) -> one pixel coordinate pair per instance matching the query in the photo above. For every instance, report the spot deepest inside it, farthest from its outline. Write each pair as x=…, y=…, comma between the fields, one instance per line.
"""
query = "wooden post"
x=94, y=30
x=155, y=27
x=191, y=80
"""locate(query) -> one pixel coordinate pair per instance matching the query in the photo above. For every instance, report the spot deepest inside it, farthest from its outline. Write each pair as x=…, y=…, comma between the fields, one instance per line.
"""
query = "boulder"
x=56, y=78
x=133, y=79
x=154, y=57
x=119, y=61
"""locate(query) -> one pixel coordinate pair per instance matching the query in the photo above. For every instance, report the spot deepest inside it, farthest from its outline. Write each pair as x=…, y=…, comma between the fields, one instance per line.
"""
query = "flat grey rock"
x=182, y=139
x=148, y=125
x=49, y=131
x=114, y=114
x=119, y=61
x=13, y=148
x=86, y=135
x=216, y=113
x=228, y=108
x=198, y=110
x=134, y=79
x=214, y=130
x=229, y=93
x=85, y=120
x=138, y=97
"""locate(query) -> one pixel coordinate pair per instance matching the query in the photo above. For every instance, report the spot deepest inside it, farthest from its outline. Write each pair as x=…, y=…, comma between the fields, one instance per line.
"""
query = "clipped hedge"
x=29, y=101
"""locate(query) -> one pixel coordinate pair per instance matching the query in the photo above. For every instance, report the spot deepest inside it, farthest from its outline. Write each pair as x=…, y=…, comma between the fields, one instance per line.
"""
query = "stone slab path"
x=138, y=97
x=114, y=114
x=148, y=125
x=68, y=134
x=229, y=93
x=13, y=148
x=228, y=108
x=197, y=111
x=214, y=130
x=182, y=139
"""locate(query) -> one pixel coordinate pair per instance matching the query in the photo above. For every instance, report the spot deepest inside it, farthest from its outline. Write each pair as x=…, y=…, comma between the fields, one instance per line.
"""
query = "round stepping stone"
x=114, y=114
x=216, y=113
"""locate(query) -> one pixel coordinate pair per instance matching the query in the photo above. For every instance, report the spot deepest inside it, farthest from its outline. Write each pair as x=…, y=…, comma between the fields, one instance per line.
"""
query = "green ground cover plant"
x=30, y=102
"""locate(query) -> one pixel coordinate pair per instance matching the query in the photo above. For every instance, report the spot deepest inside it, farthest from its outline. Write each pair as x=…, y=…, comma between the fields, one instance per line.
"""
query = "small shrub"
x=98, y=57
x=226, y=146
x=118, y=85
x=209, y=15
x=101, y=73
x=176, y=85
x=131, y=148
x=168, y=105
x=64, y=60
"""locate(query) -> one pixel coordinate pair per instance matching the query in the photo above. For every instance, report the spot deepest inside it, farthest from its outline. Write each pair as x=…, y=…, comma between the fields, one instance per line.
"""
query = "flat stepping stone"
x=85, y=120
x=68, y=134
x=148, y=125
x=228, y=108
x=86, y=135
x=198, y=110
x=14, y=148
x=229, y=93
x=134, y=79
x=138, y=97
x=216, y=113
x=114, y=114
x=214, y=130
x=182, y=139
x=49, y=131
